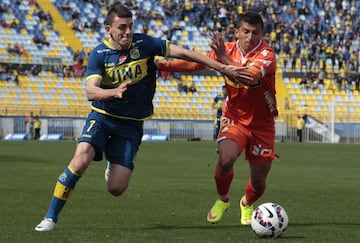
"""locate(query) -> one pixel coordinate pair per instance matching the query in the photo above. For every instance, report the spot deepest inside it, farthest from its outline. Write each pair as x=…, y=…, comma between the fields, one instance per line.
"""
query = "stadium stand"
x=329, y=28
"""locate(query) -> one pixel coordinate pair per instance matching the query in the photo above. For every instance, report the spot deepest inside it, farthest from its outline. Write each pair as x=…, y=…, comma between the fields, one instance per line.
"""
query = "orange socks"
x=223, y=181
x=252, y=195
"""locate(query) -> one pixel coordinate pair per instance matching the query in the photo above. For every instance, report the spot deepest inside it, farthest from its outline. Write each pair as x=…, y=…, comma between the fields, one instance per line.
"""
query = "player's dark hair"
x=251, y=17
x=117, y=10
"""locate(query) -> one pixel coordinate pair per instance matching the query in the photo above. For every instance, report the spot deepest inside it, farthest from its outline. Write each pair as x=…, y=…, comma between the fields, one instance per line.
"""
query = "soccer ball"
x=269, y=220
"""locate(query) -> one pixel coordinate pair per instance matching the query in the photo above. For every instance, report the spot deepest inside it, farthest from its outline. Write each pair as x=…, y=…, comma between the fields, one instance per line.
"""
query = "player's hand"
x=122, y=88
x=157, y=65
x=216, y=42
x=239, y=74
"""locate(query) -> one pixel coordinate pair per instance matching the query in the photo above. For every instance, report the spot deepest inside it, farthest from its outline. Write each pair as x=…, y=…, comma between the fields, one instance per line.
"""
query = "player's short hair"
x=251, y=17
x=117, y=10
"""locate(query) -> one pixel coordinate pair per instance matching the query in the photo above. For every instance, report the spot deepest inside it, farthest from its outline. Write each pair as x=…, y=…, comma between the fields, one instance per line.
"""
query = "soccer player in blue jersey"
x=217, y=106
x=120, y=82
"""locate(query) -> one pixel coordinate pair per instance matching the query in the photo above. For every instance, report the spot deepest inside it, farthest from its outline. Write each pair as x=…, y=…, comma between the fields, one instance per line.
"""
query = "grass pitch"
x=172, y=190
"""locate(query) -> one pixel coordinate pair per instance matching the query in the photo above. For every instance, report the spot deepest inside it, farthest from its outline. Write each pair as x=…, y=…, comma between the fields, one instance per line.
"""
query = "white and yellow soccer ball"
x=269, y=220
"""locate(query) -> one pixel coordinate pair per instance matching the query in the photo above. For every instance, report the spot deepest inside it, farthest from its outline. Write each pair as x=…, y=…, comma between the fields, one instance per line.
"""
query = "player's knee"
x=117, y=190
x=226, y=164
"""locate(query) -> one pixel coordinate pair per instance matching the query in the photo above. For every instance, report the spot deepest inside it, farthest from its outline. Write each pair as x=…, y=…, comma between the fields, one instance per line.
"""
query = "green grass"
x=171, y=191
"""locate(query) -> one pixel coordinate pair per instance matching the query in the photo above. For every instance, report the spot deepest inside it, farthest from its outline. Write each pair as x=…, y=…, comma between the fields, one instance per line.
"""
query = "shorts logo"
x=258, y=150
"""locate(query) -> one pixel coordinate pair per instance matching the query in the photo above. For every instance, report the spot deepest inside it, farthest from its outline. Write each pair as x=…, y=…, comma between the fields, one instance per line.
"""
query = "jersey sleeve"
x=179, y=66
x=95, y=65
x=160, y=47
x=262, y=64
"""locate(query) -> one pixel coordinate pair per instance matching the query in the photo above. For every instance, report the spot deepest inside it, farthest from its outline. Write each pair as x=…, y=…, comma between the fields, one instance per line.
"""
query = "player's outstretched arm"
x=232, y=72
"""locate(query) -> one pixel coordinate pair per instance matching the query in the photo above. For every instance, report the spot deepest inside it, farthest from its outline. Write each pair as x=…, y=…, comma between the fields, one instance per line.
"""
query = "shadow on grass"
x=13, y=158
x=237, y=226
x=174, y=227
x=335, y=224
x=211, y=227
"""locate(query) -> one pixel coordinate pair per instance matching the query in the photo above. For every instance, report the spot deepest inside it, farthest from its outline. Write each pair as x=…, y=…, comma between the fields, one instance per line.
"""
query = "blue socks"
x=63, y=189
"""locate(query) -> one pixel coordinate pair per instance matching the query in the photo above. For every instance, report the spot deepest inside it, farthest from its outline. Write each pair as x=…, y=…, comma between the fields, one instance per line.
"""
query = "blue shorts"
x=118, y=139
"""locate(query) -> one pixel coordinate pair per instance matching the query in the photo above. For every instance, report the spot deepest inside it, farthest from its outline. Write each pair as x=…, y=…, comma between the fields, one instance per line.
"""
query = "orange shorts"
x=258, y=143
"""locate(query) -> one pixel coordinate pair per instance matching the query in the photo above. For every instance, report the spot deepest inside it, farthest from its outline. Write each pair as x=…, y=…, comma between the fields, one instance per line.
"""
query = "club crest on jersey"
x=122, y=58
x=135, y=53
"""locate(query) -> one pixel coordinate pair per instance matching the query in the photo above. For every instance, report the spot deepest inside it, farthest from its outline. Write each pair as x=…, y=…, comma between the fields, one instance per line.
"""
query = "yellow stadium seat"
x=159, y=23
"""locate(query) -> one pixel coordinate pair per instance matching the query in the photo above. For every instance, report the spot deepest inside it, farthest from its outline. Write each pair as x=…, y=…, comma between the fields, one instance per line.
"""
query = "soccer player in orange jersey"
x=247, y=122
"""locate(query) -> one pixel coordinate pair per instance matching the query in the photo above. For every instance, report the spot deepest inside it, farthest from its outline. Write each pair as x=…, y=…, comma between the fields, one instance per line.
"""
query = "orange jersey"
x=253, y=105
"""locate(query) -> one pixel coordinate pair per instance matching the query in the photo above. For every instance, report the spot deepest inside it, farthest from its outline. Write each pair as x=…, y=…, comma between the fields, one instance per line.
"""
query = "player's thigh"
x=261, y=146
x=83, y=156
x=260, y=153
x=121, y=151
x=123, y=145
x=228, y=152
x=232, y=140
x=95, y=133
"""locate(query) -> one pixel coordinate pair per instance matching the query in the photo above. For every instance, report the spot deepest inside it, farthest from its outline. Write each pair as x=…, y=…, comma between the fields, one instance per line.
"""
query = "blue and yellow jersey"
x=117, y=66
x=218, y=102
